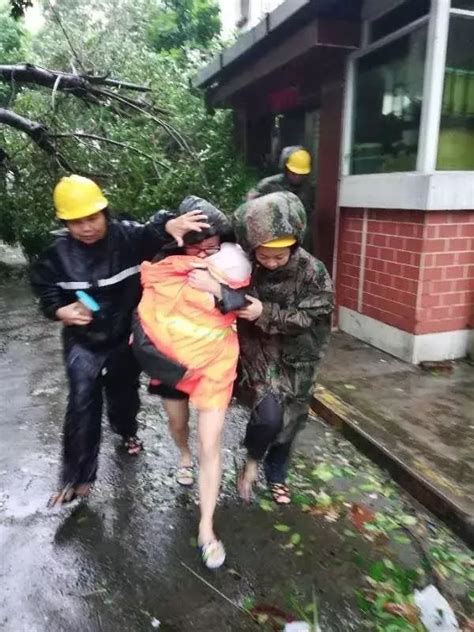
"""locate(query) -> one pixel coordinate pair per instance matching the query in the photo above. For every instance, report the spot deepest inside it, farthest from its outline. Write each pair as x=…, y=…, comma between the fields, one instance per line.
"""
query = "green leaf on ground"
x=369, y=487
x=266, y=505
x=249, y=603
x=283, y=528
x=323, y=499
x=408, y=521
x=402, y=539
x=324, y=472
x=295, y=539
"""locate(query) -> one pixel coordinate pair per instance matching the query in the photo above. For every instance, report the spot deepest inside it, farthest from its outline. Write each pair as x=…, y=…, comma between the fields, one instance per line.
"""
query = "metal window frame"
x=369, y=23
x=438, y=20
x=463, y=13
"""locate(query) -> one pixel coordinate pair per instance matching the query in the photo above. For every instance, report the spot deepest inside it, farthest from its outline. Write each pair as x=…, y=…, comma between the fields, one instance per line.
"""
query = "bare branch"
x=116, y=83
x=139, y=108
x=65, y=33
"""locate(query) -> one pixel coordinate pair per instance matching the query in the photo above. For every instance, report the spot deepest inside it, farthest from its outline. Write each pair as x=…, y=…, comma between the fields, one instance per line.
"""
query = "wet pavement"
x=425, y=418
x=125, y=559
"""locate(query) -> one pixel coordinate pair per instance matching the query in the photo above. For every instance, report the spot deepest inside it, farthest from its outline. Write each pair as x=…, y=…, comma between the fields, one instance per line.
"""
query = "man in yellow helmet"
x=295, y=166
x=88, y=280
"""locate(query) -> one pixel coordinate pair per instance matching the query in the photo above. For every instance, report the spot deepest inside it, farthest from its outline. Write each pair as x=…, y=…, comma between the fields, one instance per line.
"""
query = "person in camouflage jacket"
x=288, y=180
x=283, y=332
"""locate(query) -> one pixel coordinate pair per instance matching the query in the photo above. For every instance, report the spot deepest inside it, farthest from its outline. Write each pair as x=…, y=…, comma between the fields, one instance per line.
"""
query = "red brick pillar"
x=328, y=160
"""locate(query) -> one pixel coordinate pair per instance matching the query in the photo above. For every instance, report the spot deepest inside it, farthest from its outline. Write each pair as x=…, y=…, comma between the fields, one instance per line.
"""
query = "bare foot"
x=185, y=459
x=83, y=490
x=69, y=493
x=246, y=480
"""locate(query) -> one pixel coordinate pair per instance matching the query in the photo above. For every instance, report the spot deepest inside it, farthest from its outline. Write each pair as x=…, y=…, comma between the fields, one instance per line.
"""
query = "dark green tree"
x=18, y=7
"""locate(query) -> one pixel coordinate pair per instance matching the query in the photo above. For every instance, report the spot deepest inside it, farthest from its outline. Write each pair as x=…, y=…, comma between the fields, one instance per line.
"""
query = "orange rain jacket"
x=185, y=325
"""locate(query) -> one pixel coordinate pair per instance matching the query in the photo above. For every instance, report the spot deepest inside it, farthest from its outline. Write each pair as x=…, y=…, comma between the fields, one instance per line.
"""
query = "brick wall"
x=414, y=270
x=447, y=275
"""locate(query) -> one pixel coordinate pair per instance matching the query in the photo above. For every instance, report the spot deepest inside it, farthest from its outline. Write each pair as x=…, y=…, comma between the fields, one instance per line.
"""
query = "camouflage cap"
x=219, y=222
x=269, y=217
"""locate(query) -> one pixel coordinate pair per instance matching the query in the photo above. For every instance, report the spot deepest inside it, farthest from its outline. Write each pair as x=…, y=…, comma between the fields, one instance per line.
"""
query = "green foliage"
x=185, y=24
x=12, y=40
x=111, y=38
x=11, y=36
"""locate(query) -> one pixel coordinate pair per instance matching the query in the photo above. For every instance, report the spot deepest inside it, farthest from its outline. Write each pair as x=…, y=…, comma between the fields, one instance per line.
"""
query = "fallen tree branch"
x=104, y=139
x=37, y=132
x=116, y=83
x=37, y=75
x=29, y=73
x=84, y=86
x=93, y=90
x=134, y=105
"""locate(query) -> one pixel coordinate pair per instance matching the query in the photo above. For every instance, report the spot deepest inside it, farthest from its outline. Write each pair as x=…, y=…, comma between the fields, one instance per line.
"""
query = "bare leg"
x=211, y=423
x=178, y=416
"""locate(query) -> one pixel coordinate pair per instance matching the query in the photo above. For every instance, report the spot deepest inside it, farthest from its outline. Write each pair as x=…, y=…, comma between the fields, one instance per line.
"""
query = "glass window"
x=395, y=19
x=468, y=5
x=456, y=137
x=388, y=96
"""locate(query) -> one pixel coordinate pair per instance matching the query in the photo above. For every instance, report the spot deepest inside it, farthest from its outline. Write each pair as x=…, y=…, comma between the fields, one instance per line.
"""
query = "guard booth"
x=382, y=92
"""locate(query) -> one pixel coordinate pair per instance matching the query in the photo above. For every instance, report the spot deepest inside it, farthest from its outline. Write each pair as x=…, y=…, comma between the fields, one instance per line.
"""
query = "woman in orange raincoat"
x=186, y=340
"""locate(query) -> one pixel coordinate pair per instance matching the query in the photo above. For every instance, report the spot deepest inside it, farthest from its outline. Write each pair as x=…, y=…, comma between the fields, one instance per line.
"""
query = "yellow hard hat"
x=76, y=197
x=299, y=162
x=281, y=242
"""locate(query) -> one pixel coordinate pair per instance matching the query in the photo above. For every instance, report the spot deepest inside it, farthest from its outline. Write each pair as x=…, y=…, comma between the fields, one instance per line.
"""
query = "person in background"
x=295, y=177
x=283, y=334
x=184, y=337
x=100, y=256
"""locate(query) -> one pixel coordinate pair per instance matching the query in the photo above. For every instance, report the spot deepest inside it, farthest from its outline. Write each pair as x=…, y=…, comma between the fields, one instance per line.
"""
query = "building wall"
x=410, y=270
x=232, y=12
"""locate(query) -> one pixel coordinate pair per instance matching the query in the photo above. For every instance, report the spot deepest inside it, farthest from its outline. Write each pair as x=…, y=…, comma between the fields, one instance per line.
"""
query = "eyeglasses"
x=195, y=251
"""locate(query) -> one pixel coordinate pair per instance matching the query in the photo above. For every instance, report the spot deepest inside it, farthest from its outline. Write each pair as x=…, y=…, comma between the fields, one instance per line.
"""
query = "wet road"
x=115, y=563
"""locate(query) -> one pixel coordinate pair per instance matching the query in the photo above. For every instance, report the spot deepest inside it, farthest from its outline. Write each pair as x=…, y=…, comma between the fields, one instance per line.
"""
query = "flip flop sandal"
x=133, y=445
x=280, y=493
x=185, y=476
x=212, y=554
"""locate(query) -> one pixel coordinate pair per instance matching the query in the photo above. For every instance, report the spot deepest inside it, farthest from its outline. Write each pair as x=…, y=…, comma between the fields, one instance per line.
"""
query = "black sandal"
x=133, y=445
x=280, y=493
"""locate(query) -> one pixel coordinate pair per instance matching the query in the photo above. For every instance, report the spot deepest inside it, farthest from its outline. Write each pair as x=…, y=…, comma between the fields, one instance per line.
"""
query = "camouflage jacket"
x=281, y=351
x=280, y=182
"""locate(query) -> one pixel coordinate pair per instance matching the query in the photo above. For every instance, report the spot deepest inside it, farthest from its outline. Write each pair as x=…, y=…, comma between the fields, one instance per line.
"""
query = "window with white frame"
x=456, y=137
x=387, y=105
x=396, y=120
